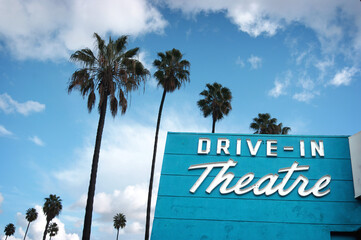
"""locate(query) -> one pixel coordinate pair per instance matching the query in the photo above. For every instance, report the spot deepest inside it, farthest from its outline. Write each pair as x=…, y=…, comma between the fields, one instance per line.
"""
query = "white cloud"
x=257, y=17
x=240, y=62
x=36, y=229
x=279, y=89
x=305, y=96
x=37, y=140
x=324, y=65
x=43, y=29
x=300, y=57
x=280, y=86
x=4, y=131
x=306, y=83
x=9, y=105
x=116, y=153
x=344, y=77
x=256, y=62
x=1, y=201
x=308, y=87
x=124, y=166
x=130, y=201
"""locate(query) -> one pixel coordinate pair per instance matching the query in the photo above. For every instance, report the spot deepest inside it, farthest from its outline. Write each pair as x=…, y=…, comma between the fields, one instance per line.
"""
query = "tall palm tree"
x=216, y=102
x=53, y=230
x=9, y=230
x=31, y=215
x=264, y=124
x=113, y=72
x=52, y=208
x=172, y=73
x=119, y=222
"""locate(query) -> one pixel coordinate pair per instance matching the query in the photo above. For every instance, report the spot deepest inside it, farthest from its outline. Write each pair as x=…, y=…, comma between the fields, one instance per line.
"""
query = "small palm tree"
x=283, y=130
x=216, y=102
x=53, y=230
x=31, y=215
x=52, y=208
x=172, y=73
x=112, y=72
x=264, y=124
x=9, y=230
x=119, y=222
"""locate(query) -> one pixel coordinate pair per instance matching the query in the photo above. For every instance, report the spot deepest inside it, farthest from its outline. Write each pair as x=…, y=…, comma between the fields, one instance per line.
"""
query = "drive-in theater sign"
x=230, y=186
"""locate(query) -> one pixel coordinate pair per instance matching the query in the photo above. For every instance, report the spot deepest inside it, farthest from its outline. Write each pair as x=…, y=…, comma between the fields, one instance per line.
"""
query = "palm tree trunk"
x=213, y=125
x=6, y=237
x=26, y=232
x=46, y=229
x=93, y=175
x=153, y=166
x=117, y=233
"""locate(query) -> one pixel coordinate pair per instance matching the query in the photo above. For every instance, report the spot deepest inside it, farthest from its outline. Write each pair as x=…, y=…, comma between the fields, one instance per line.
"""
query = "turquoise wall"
x=181, y=214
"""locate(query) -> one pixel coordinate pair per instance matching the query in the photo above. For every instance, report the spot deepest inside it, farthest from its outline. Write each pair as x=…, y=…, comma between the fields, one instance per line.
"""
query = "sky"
x=297, y=60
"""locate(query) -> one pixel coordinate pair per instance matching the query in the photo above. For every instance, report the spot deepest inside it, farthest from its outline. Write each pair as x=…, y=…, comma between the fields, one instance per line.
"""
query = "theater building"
x=235, y=186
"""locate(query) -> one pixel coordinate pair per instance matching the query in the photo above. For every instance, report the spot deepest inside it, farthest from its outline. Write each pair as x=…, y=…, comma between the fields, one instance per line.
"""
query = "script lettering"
x=225, y=178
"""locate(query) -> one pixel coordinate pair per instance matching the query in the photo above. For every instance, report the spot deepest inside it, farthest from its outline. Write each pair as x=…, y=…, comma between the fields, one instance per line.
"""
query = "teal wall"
x=180, y=214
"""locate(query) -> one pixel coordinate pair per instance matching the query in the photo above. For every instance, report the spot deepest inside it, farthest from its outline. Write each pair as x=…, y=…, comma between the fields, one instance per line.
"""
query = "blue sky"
x=298, y=61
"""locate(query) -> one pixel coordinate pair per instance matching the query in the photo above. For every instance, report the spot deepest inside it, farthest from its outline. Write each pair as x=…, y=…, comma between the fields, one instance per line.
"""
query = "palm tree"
x=172, y=73
x=216, y=101
x=53, y=230
x=9, y=230
x=119, y=222
x=264, y=124
x=52, y=208
x=113, y=73
x=31, y=215
x=283, y=130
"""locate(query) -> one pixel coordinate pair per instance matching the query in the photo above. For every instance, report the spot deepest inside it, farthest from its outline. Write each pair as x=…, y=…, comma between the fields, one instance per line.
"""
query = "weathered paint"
x=180, y=214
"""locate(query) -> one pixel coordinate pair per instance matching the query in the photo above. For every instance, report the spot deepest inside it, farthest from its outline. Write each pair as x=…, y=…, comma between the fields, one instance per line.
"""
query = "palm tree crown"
x=110, y=70
x=31, y=215
x=172, y=72
x=52, y=208
x=264, y=124
x=9, y=230
x=119, y=222
x=216, y=102
x=53, y=229
x=113, y=72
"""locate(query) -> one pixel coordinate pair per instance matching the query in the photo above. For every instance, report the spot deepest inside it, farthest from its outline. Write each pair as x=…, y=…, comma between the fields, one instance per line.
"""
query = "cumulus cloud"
x=280, y=86
x=4, y=131
x=37, y=140
x=124, y=166
x=256, y=62
x=330, y=21
x=131, y=201
x=42, y=29
x=9, y=105
x=268, y=17
x=36, y=228
x=344, y=77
